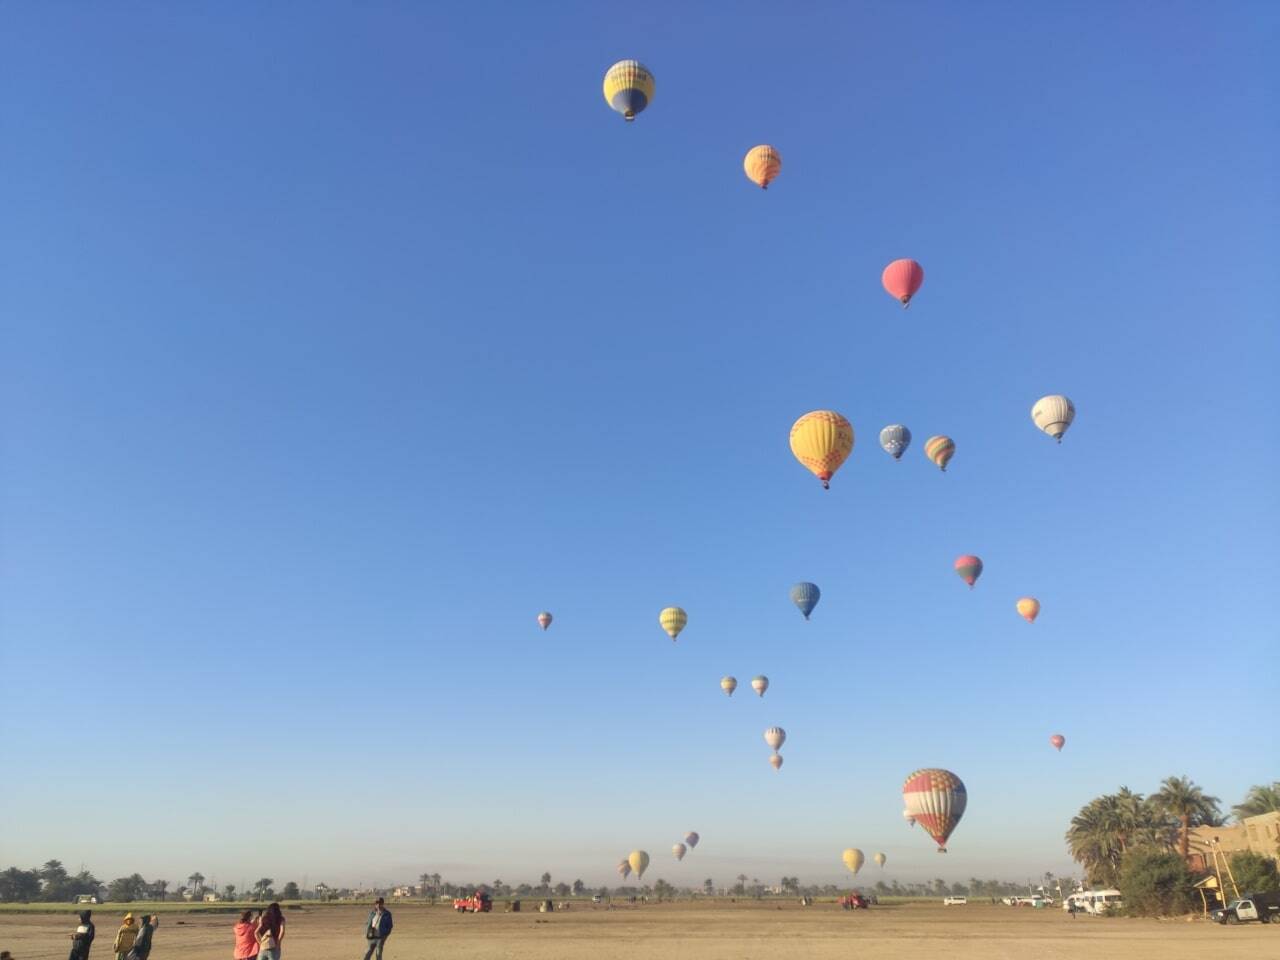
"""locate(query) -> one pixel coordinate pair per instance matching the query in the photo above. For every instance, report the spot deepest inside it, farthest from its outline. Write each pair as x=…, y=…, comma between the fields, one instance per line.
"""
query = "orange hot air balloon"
x=1029, y=609
x=822, y=440
x=902, y=279
x=969, y=568
x=1058, y=741
x=762, y=164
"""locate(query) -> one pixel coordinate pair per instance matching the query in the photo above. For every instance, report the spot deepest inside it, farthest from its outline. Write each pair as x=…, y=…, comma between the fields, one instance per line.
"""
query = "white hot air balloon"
x=760, y=684
x=1053, y=414
x=775, y=761
x=775, y=737
x=678, y=850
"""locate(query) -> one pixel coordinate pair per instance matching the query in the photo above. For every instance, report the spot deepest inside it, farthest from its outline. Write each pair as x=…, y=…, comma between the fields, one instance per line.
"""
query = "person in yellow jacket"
x=125, y=936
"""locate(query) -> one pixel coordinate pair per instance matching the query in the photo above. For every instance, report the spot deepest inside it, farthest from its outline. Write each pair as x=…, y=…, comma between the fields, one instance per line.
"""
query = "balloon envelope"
x=673, y=620
x=639, y=861
x=760, y=684
x=853, y=859
x=880, y=859
x=728, y=685
x=691, y=838
x=762, y=165
x=679, y=850
x=1053, y=415
x=895, y=439
x=969, y=568
x=628, y=87
x=1029, y=609
x=935, y=799
x=775, y=737
x=940, y=450
x=1059, y=741
x=775, y=761
x=806, y=596
x=822, y=440
x=544, y=619
x=902, y=279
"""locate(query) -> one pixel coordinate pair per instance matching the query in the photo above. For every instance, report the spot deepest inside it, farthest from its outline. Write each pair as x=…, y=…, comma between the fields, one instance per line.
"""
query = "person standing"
x=246, y=937
x=270, y=933
x=125, y=936
x=377, y=929
x=141, y=948
x=82, y=939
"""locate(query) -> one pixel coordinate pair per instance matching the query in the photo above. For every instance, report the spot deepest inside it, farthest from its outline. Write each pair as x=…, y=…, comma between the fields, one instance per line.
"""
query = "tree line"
x=52, y=883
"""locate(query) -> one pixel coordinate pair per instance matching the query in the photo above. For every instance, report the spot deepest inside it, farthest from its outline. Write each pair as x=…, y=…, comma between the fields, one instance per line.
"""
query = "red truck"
x=854, y=901
x=478, y=902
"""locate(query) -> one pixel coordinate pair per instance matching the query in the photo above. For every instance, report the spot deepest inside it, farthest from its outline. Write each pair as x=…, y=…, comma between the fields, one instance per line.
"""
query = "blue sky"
x=341, y=340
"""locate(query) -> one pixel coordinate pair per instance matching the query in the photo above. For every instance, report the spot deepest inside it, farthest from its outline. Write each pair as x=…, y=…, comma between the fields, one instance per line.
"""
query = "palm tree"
x=546, y=882
x=196, y=882
x=1179, y=797
x=159, y=888
x=742, y=883
x=708, y=887
x=1259, y=799
x=435, y=883
x=423, y=879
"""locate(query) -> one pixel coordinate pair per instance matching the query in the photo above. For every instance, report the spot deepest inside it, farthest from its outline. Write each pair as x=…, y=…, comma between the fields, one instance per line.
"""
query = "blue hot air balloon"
x=806, y=597
x=895, y=439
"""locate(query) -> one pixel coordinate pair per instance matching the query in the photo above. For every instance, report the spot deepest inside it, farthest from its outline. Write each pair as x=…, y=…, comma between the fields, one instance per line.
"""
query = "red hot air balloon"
x=970, y=568
x=1058, y=740
x=936, y=800
x=902, y=279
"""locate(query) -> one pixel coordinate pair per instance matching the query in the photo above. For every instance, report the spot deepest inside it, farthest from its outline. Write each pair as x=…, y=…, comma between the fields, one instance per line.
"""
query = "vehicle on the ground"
x=87, y=898
x=955, y=901
x=1263, y=906
x=854, y=901
x=478, y=902
x=596, y=898
x=1101, y=902
x=1073, y=903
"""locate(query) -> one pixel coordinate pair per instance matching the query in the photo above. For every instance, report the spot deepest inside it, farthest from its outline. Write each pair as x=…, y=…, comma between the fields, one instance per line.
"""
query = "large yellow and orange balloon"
x=628, y=87
x=822, y=441
x=762, y=164
x=639, y=861
x=1029, y=609
x=673, y=620
x=940, y=450
x=853, y=859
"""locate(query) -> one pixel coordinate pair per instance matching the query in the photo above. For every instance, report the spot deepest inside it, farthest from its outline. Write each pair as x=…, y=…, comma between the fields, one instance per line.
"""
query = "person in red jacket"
x=246, y=937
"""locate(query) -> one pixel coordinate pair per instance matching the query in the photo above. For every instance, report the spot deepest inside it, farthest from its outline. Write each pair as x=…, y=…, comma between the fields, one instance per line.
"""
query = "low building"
x=1260, y=835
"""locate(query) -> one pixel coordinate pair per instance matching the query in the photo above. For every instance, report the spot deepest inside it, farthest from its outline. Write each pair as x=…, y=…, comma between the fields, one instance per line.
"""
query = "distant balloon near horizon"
x=935, y=798
x=1029, y=609
x=940, y=450
x=1053, y=414
x=728, y=685
x=628, y=88
x=679, y=850
x=760, y=684
x=880, y=860
x=822, y=441
x=762, y=165
x=775, y=761
x=806, y=596
x=775, y=737
x=692, y=838
x=902, y=279
x=895, y=439
x=673, y=620
x=544, y=619
x=639, y=861
x=853, y=859
x=969, y=568
x=1059, y=741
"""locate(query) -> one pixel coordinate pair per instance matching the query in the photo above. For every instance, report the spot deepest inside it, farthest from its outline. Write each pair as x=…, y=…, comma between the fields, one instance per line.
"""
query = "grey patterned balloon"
x=895, y=439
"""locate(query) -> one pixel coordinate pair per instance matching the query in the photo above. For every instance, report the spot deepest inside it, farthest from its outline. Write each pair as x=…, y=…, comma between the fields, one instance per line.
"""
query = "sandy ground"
x=742, y=931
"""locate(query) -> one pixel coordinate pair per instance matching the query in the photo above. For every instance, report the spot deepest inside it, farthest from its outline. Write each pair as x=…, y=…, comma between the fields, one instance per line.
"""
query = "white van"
x=1099, y=902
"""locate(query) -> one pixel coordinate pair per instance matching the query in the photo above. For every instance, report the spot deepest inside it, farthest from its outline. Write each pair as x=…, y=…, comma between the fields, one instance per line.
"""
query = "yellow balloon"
x=673, y=620
x=762, y=165
x=822, y=441
x=880, y=858
x=853, y=859
x=1029, y=608
x=639, y=861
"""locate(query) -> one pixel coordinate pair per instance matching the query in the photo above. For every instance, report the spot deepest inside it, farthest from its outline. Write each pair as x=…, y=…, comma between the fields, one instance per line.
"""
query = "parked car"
x=955, y=901
x=1262, y=906
x=596, y=898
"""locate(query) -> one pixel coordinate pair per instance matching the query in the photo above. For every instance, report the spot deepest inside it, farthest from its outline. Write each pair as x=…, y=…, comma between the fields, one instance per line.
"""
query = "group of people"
x=258, y=935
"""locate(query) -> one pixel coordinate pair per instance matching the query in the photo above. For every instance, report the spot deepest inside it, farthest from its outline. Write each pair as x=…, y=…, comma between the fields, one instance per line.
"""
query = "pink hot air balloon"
x=902, y=279
x=1058, y=741
x=969, y=568
x=544, y=619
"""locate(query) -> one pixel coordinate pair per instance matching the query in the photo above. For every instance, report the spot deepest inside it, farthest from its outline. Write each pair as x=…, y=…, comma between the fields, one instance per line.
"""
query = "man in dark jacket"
x=141, y=948
x=82, y=939
x=377, y=929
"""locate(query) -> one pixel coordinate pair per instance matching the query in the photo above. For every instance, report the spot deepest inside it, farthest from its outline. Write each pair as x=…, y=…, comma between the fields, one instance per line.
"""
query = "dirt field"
x=683, y=932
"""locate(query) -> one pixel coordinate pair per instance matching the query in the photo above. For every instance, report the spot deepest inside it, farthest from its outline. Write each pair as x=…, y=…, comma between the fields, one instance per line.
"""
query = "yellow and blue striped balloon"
x=628, y=87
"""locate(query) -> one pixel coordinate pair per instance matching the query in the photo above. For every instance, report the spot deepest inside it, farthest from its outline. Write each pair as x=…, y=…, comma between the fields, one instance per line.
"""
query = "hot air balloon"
x=775, y=761
x=970, y=568
x=895, y=439
x=728, y=685
x=760, y=684
x=639, y=861
x=906, y=815
x=628, y=87
x=544, y=619
x=936, y=799
x=1029, y=608
x=691, y=839
x=678, y=850
x=1059, y=741
x=806, y=597
x=624, y=869
x=940, y=450
x=902, y=279
x=775, y=737
x=853, y=859
x=1053, y=414
x=673, y=620
x=880, y=859
x=762, y=164
x=822, y=440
